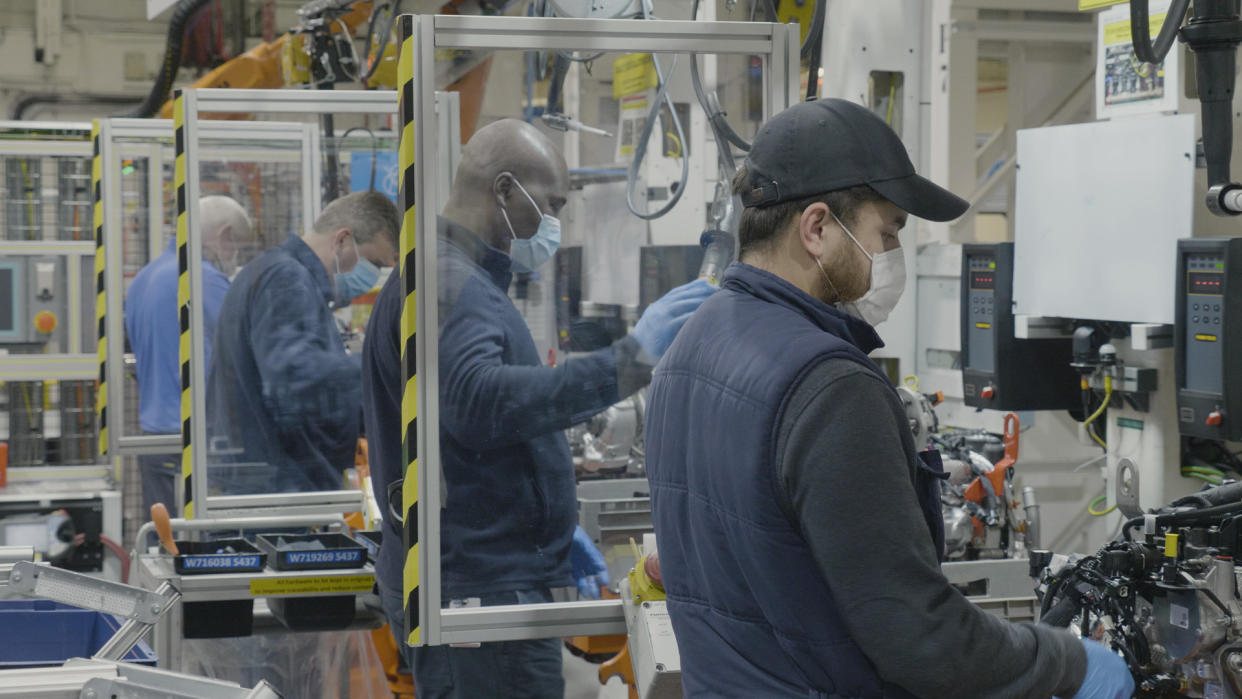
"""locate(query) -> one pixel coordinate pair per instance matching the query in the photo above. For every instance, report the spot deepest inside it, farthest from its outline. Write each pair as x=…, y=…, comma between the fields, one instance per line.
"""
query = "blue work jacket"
x=151, y=324
x=510, y=498
x=283, y=399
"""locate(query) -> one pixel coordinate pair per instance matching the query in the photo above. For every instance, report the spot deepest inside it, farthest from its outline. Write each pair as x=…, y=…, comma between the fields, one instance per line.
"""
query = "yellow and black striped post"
x=183, y=298
x=409, y=356
x=101, y=302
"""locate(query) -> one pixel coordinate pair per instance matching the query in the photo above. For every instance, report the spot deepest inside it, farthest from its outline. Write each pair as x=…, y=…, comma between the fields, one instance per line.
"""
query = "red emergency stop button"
x=1215, y=418
x=987, y=393
x=45, y=322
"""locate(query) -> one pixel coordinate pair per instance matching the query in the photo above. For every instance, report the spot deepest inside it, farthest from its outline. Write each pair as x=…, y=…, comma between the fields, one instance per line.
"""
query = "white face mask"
x=531, y=253
x=888, y=282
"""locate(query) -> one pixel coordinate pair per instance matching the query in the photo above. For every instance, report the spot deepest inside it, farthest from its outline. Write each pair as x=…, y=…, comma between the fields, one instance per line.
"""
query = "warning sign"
x=312, y=585
x=633, y=73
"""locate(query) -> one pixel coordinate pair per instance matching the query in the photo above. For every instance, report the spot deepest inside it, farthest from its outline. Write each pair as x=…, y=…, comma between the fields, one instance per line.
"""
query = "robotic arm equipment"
x=1213, y=32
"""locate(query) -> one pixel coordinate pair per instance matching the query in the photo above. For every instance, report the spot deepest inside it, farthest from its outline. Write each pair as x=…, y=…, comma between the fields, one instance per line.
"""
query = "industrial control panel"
x=1209, y=338
x=999, y=371
x=32, y=299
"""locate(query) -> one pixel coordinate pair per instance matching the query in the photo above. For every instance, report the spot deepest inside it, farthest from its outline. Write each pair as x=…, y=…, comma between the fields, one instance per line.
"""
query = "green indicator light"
x=992, y=265
x=1220, y=265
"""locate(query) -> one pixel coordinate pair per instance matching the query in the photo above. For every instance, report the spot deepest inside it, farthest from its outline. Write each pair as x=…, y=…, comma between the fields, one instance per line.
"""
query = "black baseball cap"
x=830, y=144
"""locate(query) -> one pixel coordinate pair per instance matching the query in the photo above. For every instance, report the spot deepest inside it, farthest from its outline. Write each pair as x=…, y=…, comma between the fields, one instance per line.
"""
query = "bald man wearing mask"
x=508, y=524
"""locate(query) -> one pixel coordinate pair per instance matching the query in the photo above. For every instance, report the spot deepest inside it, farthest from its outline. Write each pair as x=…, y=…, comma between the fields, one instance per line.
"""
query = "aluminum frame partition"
x=121, y=138
x=421, y=37
x=73, y=364
x=188, y=105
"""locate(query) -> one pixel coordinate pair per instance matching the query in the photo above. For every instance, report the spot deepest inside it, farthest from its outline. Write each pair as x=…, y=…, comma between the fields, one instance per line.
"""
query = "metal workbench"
x=167, y=636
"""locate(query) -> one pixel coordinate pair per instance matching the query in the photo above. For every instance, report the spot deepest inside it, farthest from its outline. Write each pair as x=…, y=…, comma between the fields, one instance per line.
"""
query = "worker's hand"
x=590, y=569
x=661, y=321
x=1107, y=675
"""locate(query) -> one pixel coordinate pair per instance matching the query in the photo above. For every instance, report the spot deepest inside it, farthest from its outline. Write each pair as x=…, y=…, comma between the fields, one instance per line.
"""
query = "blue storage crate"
x=39, y=633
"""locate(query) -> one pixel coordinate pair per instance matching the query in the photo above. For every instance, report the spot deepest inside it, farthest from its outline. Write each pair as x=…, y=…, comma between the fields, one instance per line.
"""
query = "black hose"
x=374, y=149
x=1187, y=517
x=1061, y=614
x=815, y=40
x=1197, y=500
x=27, y=102
x=1140, y=30
x=181, y=15
x=715, y=115
x=560, y=69
x=379, y=52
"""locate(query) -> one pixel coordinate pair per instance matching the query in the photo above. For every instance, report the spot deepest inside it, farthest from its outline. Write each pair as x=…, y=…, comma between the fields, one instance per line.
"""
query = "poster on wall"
x=1125, y=85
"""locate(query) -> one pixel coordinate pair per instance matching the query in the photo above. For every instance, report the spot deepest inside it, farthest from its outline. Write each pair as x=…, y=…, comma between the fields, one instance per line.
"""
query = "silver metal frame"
x=235, y=101
x=152, y=139
x=777, y=44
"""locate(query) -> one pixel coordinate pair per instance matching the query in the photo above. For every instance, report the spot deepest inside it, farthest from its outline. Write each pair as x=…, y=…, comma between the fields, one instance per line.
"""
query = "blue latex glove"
x=660, y=322
x=1107, y=674
x=590, y=569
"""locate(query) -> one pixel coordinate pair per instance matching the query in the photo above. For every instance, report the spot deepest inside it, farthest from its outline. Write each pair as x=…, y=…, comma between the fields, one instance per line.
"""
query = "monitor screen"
x=8, y=299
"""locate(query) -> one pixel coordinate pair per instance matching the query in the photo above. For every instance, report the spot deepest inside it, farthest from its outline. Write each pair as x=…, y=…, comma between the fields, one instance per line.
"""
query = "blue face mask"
x=531, y=253
x=357, y=281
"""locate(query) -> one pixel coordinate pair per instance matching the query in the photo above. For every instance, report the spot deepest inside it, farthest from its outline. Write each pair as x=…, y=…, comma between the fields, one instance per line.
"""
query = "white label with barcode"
x=1179, y=616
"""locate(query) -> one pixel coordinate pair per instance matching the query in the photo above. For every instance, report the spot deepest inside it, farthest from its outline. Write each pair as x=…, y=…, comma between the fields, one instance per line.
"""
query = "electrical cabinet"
x=1209, y=338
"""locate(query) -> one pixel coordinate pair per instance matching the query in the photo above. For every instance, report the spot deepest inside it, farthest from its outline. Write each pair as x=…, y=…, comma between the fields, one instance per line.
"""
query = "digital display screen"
x=984, y=280
x=1205, y=283
x=8, y=297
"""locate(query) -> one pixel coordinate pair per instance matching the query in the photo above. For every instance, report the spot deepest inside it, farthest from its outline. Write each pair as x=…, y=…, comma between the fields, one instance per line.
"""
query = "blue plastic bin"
x=39, y=633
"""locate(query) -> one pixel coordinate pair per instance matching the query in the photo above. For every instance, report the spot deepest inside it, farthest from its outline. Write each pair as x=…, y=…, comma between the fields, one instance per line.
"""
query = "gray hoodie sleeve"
x=845, y=462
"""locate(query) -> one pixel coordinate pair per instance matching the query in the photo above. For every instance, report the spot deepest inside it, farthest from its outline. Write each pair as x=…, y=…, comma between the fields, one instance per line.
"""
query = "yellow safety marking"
x=1119, y=32
x=633, y=73
x=1205, y=338
x=183, y=299
x=308, y=585
x=1084, y=5
x=411, y=573
x=1170, y=545
x=409, y=397
x=983, y=326
x=101, y=350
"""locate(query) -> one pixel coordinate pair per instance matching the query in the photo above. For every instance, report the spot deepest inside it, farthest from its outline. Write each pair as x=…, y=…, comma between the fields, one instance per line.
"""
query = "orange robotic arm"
x=259, y=67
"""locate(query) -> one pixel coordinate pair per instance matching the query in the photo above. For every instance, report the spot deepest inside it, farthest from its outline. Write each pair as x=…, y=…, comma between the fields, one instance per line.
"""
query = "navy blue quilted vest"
x=753, y=615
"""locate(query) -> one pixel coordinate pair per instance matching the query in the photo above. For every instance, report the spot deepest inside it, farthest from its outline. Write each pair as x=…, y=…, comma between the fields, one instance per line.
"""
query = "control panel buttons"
x=45, y=322
x=987, y=393
x=1214, y=419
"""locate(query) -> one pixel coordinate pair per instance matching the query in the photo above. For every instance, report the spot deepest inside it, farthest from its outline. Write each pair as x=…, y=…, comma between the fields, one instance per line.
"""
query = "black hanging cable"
x=173, y=46
x=374, y=148
x=395, y=10
x=815, y=38
x=1140, y=30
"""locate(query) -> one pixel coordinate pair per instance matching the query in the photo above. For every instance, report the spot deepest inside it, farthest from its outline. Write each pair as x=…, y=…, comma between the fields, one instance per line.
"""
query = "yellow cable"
x=30, y=207
x=676, y=141
x=1108, y=396
x=1091, y=433
x=892, y=94
x=1099, y=513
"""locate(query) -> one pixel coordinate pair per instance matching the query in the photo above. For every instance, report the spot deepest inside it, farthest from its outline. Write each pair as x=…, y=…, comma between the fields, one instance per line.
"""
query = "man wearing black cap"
x=799, y=529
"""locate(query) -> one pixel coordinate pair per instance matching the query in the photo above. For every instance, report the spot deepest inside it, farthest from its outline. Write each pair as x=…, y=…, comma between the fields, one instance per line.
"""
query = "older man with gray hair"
x=284, y=398
x=151, y=324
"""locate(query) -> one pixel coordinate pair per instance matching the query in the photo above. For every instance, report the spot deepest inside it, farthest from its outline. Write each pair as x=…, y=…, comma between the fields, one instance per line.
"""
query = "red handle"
x=1011, y=436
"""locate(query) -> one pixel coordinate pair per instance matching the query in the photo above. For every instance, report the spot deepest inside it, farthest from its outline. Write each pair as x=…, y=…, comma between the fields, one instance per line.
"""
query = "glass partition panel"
x=274, y=317
x=575, y=209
